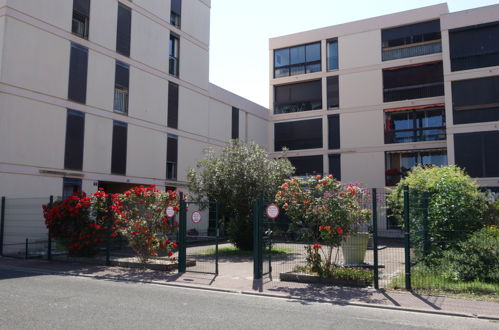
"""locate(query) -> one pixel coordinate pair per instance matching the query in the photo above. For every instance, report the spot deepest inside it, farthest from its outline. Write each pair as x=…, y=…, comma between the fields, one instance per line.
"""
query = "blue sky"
x=240, y=30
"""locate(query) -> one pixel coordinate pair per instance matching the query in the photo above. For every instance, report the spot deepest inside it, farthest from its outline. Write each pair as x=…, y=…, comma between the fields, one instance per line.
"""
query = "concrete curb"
x=262, y=294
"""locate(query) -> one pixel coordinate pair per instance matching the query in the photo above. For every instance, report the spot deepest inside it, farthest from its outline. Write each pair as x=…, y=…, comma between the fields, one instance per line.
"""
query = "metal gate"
x=198, y=237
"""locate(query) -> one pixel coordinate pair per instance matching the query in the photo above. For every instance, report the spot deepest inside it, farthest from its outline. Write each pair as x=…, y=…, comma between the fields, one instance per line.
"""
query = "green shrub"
x=476, y=258
x=454, y=204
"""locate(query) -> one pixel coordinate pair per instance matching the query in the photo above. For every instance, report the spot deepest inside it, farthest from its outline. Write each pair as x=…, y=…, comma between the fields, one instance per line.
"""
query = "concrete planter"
x=308, y=278
x=354, y=248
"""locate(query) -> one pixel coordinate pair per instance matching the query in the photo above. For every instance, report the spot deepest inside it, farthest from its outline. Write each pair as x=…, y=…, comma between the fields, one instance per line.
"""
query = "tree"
x=235, y=177
x=455, y=206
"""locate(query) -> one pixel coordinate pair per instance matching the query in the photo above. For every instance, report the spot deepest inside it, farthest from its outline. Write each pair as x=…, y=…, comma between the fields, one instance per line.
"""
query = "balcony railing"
x=410, y=51
x=413, y=92
x=298, y=106
x=474, y=61
x=415, y=135
x=120, y=100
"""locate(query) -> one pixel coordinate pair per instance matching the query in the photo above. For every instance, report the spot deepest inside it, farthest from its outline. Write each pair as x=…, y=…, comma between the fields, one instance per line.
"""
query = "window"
x=333, y=92
x=81, y=14
x=398, y=163
x=413, y=82
x=415, y=124
x=411, y=40
x=174, y=52
x=334, y=131
x=332, y=55
x=171, y=157
x=235, y=123
x=475, y=100
x=297, y=60
x=75, y=130
x=478, y=153
x=119, y=149
x=176, y=12
x=298, y=97
x=474, y=46
x=77, y=85
x=307, y=165
x=335, y=166
x=124, y=30
x=122, y=81
x=300, y=134
x=172, y=105
x=70, y=186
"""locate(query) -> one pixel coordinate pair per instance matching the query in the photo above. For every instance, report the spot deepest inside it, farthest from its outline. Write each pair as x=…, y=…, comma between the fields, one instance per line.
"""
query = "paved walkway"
x=236, y=277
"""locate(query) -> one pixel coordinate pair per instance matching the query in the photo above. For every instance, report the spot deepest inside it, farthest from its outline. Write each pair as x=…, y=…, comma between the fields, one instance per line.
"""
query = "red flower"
x=316, y=246
x=339, y=230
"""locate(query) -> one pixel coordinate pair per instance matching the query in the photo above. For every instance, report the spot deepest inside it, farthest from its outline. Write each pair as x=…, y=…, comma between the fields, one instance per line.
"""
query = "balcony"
x=413, y=92
x=173, y=66
x=404, y=51
x=415, y=135
x=120, y=100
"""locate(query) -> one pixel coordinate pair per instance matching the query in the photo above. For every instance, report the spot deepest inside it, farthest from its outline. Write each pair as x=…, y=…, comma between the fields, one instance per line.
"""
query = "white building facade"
x=110, y=93
x=368, y=100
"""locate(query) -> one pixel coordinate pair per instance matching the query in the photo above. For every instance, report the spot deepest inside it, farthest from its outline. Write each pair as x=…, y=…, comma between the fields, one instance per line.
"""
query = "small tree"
x=235, y=177
x=455, y=207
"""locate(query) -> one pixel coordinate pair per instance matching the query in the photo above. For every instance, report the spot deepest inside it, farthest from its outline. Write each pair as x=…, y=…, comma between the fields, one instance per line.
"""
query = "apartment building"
x=368, y=100
x=110, y=93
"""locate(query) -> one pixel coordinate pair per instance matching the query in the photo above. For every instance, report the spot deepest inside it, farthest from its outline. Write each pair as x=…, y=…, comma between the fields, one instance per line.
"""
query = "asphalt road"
x=34, y=301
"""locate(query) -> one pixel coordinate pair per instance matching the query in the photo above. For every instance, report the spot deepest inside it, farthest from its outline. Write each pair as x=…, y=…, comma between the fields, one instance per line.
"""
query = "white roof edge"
x=372, y=23
x=220, y=94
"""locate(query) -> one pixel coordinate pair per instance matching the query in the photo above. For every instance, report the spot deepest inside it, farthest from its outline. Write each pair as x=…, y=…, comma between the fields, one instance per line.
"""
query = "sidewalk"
x=236, y=277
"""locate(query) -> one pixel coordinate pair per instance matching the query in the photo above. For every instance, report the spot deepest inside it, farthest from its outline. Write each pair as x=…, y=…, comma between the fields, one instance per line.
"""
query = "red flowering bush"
x=75, y=226
x=141, y=218
x=327, y=208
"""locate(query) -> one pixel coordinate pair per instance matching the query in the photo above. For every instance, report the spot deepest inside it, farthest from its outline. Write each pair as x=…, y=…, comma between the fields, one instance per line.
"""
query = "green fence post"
x=375, y=238
x=257, y=239
x=2, y=224
x=182, y=232
x=426, y=241
x=109, y=229
x=49, y=244
x=216, y=238
x=407, y=242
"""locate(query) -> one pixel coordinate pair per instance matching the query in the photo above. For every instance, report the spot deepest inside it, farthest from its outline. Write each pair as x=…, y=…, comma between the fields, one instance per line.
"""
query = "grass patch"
x=427, y=280
x=232, y=251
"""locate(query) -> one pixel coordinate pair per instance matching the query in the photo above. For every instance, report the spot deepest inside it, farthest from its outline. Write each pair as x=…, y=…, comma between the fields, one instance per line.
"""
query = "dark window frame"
x=75, y=185
x=290, y=103
x=171, y=157
x=119, y=148
x=333, y=92
x=334, y=129
x=427, y=81
x=176, y=13
x=481, y=157
x=305, y=64
x=121, y=88
x=335, y=165
x=337, y=57
x=174, y=55
x=78, y=73
x=75, y=140
x=124, y=30
x=394, y=174
x=173, y=104
x=419, y=131
x=479, y=51
x=298, y=134
x=319, y=159
x=81, y=17
x=235, y=123
x=475, y=100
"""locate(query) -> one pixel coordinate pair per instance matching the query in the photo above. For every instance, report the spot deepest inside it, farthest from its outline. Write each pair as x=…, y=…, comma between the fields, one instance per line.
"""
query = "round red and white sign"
x=196, y=217
x=170, y=212
x=272, y=211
